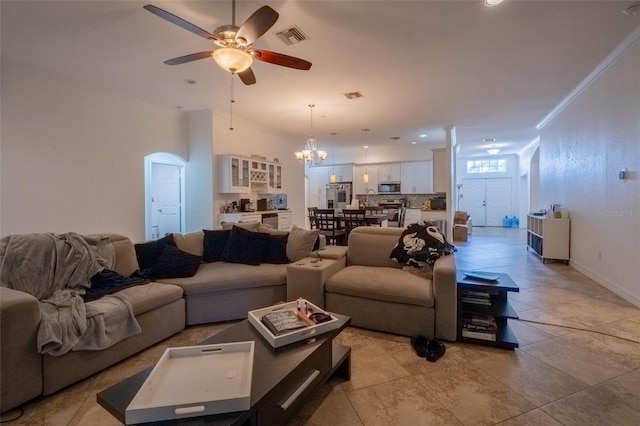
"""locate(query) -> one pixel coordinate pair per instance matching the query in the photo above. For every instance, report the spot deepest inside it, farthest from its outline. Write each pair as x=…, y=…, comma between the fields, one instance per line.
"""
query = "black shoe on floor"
x=420, y=345
x=435, y=349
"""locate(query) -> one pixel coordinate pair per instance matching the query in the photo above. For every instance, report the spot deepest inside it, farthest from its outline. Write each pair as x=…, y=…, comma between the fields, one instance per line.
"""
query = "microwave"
x=389, y=188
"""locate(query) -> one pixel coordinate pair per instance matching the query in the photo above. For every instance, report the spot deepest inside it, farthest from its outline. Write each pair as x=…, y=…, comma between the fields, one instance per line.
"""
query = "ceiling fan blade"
x=247, y=76
x=257, y=24
x=189, y=58
x=281, y=59
x=180, y=22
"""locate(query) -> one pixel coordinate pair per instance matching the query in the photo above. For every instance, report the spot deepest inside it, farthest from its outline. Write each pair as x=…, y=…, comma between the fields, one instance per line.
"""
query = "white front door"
x=487, y=201
x=498, y=196
x=473, y=200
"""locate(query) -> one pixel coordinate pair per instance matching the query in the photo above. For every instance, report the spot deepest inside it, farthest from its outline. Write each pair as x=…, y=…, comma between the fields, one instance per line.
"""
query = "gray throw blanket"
x=57, y=269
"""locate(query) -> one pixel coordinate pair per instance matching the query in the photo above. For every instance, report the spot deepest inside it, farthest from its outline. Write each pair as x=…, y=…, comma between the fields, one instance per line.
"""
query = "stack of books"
x=481, y=327
x=476, y=297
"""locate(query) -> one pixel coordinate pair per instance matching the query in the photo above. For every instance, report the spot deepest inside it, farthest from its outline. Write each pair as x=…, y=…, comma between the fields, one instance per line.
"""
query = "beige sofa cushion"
x=372, y=246
x=126, y=261
x=192, y=243
x=147, y=297
x=219, y=276
x=300, y=243
x=385, y=284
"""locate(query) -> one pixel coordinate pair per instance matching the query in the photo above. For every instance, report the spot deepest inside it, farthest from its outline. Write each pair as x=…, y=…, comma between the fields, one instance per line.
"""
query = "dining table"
x=371, y=219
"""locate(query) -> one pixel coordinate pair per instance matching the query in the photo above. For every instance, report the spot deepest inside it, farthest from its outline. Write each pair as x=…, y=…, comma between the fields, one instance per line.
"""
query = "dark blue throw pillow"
x=148, y=253
x=244, y=247
x=276, y=249
x=214, y=244
x=174, y=263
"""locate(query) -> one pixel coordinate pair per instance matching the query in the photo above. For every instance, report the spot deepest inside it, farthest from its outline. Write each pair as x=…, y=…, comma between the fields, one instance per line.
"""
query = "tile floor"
x=574, y=372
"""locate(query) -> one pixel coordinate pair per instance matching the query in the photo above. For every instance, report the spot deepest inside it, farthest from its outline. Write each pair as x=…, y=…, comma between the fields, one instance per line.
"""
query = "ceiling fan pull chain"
x=231, y=101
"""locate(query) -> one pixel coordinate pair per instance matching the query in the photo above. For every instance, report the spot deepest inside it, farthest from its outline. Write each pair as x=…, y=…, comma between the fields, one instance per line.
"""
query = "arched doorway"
x=164, y=195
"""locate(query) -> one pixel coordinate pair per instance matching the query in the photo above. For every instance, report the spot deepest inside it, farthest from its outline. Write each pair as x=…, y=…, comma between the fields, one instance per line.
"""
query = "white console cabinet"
x=549, y=237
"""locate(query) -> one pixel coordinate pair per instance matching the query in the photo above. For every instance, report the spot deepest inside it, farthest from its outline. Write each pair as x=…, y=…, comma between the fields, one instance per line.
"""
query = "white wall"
x=199, y=177
x=73, y=156
x=581, y=151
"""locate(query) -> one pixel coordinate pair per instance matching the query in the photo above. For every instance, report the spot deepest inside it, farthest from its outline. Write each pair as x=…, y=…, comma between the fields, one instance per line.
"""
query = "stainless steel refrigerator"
x=338, y=195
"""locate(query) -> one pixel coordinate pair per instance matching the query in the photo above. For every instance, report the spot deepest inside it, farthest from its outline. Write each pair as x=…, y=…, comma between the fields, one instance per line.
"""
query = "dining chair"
x=352, y=219
x=312, y=216
x=401, y=213
x=328, y=225
x=374, y=210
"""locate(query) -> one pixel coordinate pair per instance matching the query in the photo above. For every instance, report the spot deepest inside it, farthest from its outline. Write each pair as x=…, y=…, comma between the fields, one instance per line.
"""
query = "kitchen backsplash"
x=413, y=201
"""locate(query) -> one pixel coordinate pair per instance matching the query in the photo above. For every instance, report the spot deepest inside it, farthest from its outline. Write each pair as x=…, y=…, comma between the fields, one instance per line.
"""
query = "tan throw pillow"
x=271, y=231
x=300, y=243
x=249, y=226
x=192, y=243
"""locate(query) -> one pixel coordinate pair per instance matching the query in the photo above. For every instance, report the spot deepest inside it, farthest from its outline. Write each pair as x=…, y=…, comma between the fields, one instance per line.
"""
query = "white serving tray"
x=195, y=381
x=255, y=318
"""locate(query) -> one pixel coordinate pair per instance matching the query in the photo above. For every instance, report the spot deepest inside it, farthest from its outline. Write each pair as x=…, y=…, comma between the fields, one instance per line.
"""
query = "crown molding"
x=627, y=44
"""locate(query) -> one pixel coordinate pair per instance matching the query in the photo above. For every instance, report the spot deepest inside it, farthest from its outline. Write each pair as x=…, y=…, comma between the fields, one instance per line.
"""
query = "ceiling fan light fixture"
x=232, y=59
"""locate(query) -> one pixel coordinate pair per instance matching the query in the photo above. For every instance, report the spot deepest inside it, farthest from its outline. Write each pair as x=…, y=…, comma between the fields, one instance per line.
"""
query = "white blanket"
x=56, y=269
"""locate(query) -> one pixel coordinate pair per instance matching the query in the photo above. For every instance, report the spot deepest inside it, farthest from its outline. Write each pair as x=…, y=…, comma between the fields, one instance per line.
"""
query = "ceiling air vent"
x=353, y=95
x=293, y=35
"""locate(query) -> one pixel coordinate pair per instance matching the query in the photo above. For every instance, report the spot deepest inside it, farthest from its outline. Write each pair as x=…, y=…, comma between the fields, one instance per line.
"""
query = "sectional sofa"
x=217, y=291
x=229, y=279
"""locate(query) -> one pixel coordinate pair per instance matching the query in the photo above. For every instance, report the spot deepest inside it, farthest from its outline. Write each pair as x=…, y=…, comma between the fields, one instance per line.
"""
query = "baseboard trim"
x=623, y=293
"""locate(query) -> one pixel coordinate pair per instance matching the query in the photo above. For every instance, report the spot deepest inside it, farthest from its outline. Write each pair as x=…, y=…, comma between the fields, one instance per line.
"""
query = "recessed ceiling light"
x=490, y=140
x=413, y=142
x=365, y=146
x=423, y=135
x=492, y=2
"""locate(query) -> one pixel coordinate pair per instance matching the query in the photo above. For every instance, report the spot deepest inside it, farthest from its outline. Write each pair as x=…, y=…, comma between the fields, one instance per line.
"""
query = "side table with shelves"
x=481, y=302
x=549, y=237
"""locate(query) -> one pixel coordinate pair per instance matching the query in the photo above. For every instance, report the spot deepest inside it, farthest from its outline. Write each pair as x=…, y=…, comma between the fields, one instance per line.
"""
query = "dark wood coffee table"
x=282, y=378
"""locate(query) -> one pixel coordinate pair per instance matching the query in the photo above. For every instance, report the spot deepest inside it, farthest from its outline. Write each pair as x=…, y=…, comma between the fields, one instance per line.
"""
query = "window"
x=486, y=166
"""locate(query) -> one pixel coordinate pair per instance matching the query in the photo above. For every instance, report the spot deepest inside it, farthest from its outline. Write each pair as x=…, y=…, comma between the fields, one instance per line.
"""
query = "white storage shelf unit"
x=549, y=237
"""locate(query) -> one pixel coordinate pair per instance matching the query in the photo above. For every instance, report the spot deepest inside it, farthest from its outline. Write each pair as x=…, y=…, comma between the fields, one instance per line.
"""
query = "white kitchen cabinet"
x=241, y=217
x=343, y=172
x=259, y=176
x=359, y=185
x=234, y=174
x=390, y=172
x=441, y=174
x=285, y=220
x=416, y=178
x=274, y=178
x=318, y=179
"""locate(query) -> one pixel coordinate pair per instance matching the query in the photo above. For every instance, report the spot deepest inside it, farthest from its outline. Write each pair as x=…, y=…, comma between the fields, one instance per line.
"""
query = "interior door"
x=165, y=199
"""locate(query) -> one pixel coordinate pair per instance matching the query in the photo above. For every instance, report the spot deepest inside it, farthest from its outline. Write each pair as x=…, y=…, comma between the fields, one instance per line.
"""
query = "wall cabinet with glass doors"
x=239, y=175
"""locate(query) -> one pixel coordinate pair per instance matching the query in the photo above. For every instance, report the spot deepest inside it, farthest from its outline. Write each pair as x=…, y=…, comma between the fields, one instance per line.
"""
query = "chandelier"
x=494, y=150
x=311, y=154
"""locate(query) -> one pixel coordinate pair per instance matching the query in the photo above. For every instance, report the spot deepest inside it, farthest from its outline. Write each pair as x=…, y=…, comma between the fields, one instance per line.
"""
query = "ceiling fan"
x=236, y=51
